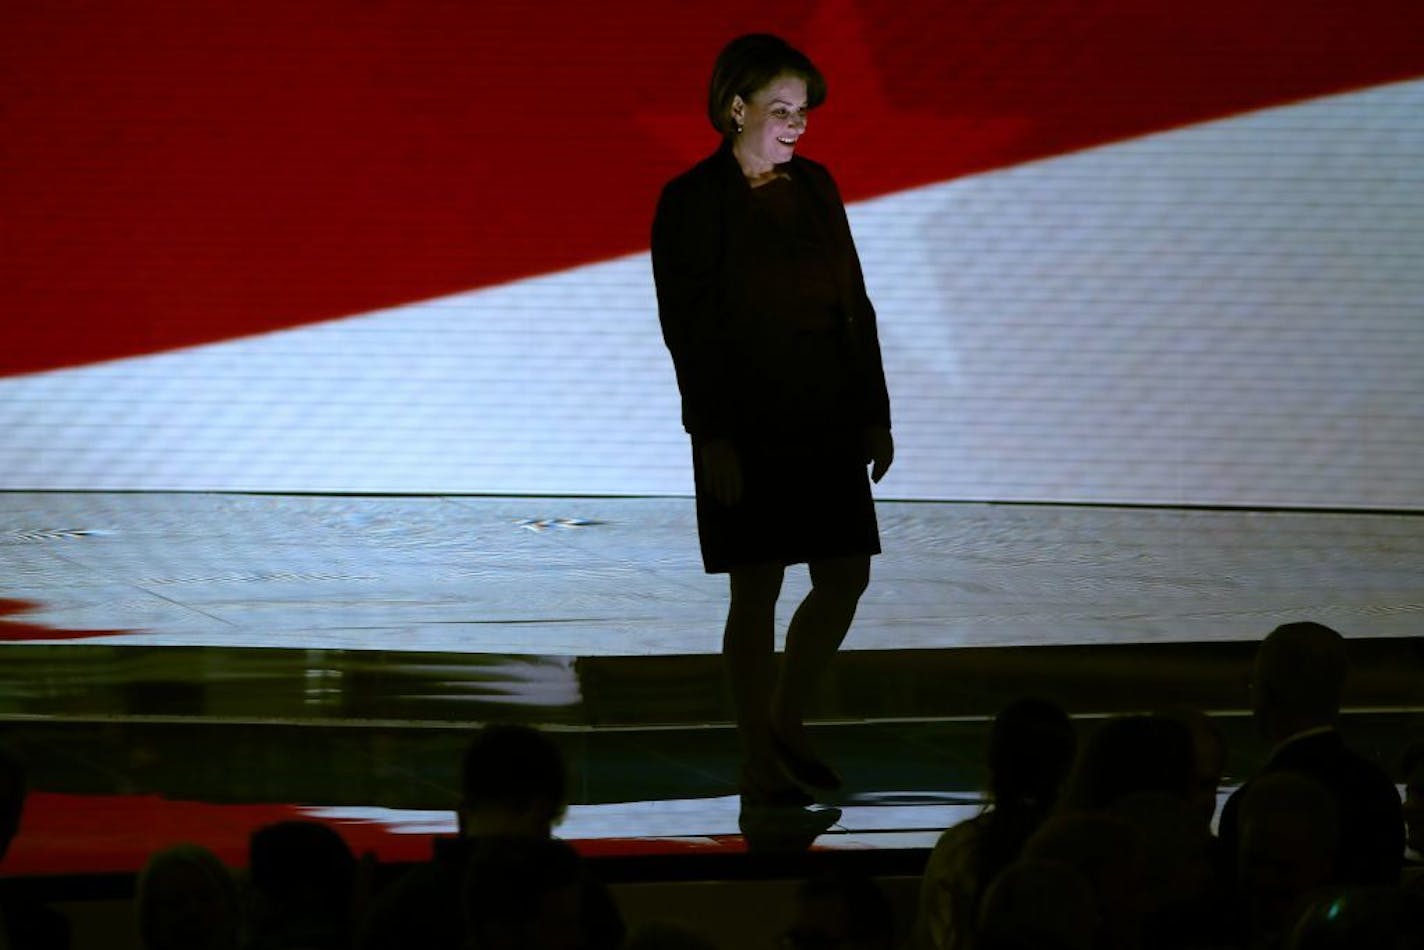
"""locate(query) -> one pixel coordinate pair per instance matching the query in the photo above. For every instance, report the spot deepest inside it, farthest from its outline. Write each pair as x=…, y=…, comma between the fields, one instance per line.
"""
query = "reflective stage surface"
x=191, y=666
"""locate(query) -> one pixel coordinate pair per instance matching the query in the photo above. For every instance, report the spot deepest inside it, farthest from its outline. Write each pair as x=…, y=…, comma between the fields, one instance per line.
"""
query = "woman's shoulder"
x=690, y=197
x=711, y=174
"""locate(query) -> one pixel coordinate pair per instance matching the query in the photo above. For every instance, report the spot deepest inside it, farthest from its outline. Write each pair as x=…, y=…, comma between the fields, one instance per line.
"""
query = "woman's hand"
x=879, y=451
x=722, y=470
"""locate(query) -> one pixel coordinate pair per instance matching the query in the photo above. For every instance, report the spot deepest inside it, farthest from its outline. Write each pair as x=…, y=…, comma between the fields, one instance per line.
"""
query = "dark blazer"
x=701, y=236
x=1371, y=849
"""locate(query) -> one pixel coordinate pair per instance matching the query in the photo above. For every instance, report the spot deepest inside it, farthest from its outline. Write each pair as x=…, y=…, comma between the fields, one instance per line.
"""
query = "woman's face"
x=773, y=121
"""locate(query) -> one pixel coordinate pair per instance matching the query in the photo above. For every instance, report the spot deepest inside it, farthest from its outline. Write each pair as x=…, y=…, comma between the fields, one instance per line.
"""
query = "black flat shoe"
x=813, y=773
x=785, y=830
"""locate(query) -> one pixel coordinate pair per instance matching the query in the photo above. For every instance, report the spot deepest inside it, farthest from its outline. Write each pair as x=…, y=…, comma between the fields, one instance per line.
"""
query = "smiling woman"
x=769, y=126
x=773, y=338
x=763, y=111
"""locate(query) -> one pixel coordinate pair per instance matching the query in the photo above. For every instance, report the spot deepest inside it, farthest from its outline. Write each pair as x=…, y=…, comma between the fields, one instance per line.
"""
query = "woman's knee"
x=756, y=584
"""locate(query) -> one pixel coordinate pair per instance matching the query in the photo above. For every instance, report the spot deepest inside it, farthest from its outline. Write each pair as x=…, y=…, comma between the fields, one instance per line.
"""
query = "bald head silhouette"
x=1299, y=679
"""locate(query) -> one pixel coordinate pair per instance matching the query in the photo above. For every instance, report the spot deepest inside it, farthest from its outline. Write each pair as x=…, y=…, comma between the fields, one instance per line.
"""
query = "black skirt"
x=803, y=499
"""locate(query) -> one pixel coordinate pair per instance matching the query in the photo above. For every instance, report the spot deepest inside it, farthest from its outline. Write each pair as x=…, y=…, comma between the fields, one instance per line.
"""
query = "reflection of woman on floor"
x=764, y=309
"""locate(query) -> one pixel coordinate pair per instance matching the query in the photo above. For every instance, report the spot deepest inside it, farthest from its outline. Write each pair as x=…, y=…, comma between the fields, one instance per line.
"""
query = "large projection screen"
x=1121, y=252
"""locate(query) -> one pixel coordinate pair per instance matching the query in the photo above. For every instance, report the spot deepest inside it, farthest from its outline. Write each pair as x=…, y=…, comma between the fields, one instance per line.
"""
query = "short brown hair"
x=513, y=767
x=751, y=62
x=1301, y=668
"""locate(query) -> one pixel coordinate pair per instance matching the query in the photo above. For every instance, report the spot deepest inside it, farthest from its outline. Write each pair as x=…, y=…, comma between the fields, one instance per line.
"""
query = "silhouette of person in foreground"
x=303, y=881
x=25, y=924
x=1209, y=749
x=840, y=909
x=1107, y=852
x=14, y=788
x=513, y=785
x=1411, y=767
x=1297, y=684
x=1288, y=844
x=666, y=935
x=187, y=900
x=523, y=893
x=1129, y=754
x=1031, y=748
x=1038, y=904
x=1361, y=918
x=1180, y=902
x=764, y=309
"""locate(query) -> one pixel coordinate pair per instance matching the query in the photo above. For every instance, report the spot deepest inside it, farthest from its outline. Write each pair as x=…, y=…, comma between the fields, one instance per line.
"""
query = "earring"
x=739, y=130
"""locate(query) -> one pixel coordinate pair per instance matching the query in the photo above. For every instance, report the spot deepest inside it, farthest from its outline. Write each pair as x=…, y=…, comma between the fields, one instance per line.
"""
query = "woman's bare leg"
x=817, y=630
x=748, y=646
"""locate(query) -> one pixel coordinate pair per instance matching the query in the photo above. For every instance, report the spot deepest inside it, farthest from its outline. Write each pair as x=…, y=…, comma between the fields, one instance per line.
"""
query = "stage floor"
x=196, y=663
x=621, y=576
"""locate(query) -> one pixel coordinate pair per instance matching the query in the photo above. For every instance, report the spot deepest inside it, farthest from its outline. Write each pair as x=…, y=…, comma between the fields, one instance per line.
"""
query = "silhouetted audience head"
x=512, y=782
x=1130, y=754
x=303, y=878
x=1107, y=852
x=187, y=900
x=840, y=909
x=1032, y=745
x=1288, y=840
x=1370, y=918
x=1038, y=905
x=1298, y=679
x=1411, y=770
x=13, y=789
x=1031, y=749
x=1209, y=748
x=1175, y=845
x=523, y=893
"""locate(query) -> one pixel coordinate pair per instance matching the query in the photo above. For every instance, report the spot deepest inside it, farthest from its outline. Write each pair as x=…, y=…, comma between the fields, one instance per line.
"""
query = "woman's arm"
x=867, y=334
x=875, y=396
x=687, y=269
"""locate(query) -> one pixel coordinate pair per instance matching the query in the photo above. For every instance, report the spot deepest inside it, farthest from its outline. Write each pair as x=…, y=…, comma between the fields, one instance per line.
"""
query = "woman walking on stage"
x=764, y=309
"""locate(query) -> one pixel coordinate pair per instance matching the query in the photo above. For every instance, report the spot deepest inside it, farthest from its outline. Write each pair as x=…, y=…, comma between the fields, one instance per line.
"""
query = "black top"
x=790, y=272
x=1371, y=844
x=763, y=303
